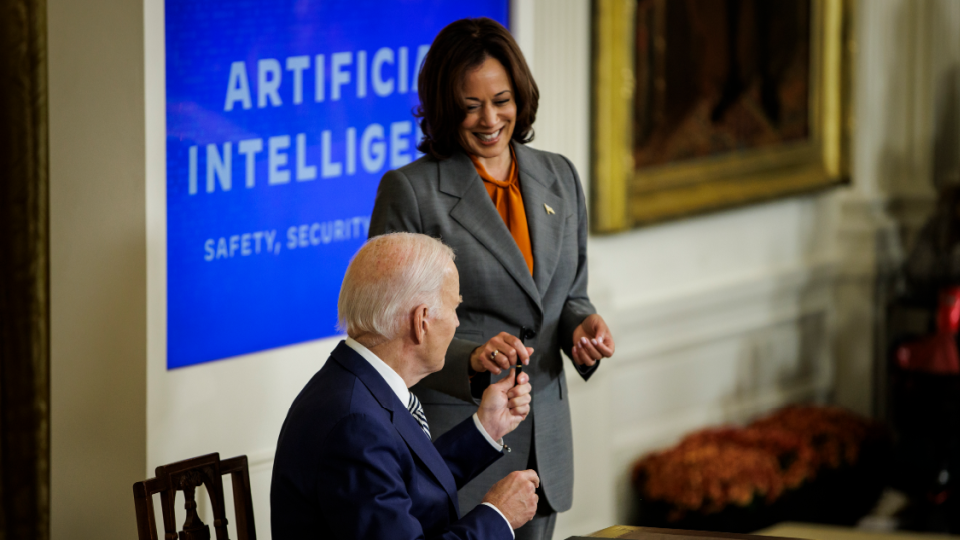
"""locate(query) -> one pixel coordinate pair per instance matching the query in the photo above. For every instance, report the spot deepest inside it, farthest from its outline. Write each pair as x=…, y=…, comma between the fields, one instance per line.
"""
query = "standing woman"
x=517, y=221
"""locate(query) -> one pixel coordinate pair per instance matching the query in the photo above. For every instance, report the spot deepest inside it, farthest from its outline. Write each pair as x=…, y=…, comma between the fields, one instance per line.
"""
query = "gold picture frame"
x=625, y=195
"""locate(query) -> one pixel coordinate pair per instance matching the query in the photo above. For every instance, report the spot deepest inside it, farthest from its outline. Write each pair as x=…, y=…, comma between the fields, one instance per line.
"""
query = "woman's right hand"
x=509, y=350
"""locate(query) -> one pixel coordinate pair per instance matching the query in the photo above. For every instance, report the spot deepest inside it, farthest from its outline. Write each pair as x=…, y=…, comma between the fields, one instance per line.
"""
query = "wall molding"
x=669, y=428
x=261, y=459
x=666, y=321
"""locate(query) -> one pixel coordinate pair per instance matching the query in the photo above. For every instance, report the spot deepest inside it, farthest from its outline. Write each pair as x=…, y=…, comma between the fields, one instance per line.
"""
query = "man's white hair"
x=388, y=277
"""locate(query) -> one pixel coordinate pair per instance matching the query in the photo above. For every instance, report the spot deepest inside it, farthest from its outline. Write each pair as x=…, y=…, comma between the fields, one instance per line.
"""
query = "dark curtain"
x=24, y=274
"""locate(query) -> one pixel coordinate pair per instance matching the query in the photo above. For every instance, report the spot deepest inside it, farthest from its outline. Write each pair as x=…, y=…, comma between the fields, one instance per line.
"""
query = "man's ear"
x=420, y=323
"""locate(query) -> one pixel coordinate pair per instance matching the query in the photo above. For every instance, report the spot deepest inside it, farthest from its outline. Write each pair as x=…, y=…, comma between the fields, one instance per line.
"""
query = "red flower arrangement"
x=835, y=435
x=714, y=468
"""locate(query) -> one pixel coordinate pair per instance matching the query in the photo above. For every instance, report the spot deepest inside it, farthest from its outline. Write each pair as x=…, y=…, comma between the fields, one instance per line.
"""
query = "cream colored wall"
x=717, y=318
x=97, y=266
x=722, y=317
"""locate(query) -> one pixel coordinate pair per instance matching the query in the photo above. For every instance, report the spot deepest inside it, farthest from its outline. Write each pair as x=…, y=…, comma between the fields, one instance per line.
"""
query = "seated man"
x=354, y=459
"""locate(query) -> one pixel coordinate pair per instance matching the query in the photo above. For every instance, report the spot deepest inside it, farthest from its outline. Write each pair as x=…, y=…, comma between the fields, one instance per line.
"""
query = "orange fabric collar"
x=508, y=199
x=512, y=178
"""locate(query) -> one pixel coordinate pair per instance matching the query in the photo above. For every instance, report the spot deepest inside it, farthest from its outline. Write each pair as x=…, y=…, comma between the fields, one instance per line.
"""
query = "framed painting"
x=700, y=105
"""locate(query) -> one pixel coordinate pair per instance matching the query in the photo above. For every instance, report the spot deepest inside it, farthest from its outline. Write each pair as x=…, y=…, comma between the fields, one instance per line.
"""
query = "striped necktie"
x=417, y=411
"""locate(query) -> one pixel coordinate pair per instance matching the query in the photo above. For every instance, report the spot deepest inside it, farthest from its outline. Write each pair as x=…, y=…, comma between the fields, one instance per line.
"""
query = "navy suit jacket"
x=352, y=462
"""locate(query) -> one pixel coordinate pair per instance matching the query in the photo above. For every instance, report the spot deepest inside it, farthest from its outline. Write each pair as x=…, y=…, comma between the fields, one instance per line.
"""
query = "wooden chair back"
x=187, y=476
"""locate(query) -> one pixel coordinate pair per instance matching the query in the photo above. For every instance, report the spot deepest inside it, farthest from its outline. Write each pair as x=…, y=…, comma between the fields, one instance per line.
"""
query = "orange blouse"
x=509, y=202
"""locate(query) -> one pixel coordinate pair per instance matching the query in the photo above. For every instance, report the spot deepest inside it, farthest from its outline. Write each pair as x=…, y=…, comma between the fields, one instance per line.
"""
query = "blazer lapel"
x=476, y=213
x=546, y=215
x=423, y=447
x=403, y=421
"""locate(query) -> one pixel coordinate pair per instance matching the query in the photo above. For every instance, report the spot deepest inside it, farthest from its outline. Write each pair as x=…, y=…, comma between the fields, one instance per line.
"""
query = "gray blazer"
x=447, y=200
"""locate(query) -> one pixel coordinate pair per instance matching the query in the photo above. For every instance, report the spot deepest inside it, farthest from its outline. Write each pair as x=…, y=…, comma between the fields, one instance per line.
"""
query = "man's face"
x=443, y=325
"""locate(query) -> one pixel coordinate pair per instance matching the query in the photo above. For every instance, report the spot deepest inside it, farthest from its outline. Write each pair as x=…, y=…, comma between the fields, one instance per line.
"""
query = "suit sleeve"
x=362, y=477
x=465, y=451
x=397, y=209
x=577, y=306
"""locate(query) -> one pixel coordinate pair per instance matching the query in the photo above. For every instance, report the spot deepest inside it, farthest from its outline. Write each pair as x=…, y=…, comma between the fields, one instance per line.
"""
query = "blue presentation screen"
x=282, y=116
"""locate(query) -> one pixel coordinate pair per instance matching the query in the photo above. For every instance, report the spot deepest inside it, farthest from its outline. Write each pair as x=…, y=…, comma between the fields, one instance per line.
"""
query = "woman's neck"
x=497, y=167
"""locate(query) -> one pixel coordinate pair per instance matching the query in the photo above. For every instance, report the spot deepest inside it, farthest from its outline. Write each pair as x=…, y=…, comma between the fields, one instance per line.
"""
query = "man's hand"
x=592, y=341
x=501, y=352
x=504, y=405
x=515, y=496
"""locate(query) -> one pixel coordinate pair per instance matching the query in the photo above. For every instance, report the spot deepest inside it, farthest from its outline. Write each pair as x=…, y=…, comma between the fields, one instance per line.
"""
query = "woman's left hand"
x=592, y=341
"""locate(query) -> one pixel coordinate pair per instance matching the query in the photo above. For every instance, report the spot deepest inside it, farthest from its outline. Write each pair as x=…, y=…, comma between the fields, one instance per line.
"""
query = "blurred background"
x=788, y=356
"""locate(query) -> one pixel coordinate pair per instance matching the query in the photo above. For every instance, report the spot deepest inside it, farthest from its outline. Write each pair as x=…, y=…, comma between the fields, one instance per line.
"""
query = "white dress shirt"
x=399, y=387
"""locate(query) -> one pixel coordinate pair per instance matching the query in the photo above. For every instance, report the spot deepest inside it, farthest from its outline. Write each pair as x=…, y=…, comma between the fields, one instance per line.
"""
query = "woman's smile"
x=489, y=138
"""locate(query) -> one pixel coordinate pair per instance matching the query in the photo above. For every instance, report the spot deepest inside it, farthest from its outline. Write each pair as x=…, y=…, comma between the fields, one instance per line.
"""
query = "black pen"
x=524, y=334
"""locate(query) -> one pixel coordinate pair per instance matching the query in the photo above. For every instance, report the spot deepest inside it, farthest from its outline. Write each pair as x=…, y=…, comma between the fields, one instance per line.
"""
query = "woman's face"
x=491, y=110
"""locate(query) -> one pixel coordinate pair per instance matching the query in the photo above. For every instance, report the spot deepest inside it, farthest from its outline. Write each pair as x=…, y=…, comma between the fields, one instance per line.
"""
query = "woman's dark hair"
x=459, y=48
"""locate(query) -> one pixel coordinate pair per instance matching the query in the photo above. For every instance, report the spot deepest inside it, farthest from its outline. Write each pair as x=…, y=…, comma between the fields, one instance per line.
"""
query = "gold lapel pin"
x=548, y=209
